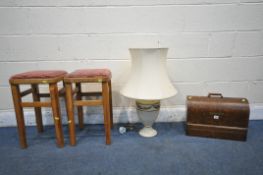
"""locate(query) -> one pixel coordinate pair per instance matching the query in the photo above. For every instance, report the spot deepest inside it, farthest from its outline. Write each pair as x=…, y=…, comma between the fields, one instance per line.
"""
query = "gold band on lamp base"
x=148, y=111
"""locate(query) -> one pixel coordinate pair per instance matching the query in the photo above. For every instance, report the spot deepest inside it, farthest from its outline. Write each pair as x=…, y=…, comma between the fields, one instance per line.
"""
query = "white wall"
x=214, y=45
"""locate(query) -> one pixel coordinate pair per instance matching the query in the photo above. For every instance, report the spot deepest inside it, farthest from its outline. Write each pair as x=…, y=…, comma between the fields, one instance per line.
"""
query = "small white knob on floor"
x=122, y=130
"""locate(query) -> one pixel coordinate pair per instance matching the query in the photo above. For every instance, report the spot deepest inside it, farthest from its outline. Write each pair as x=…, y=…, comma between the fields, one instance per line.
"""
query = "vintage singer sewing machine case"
x=218, y=117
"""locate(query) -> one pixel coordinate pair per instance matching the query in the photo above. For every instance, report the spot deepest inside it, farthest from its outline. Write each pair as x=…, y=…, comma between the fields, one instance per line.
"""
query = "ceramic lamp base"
x=148, y=132
x=148, y=111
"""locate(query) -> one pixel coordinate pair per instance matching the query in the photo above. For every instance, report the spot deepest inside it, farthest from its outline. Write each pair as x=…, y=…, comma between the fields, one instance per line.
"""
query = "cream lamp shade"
x=148, y=79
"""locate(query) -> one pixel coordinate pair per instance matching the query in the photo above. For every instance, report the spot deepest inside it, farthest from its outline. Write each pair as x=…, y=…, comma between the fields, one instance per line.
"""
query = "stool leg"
x=35, y=93
x=80, y=108
x=110, y=98
x=106, y=111
x=64, y=96
x=19, y=115
x=70, y=111
x=56, y=113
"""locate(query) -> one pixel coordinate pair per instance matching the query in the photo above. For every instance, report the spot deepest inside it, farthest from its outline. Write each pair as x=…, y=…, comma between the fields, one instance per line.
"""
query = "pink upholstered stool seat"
x=90, y=73
x=39, y=74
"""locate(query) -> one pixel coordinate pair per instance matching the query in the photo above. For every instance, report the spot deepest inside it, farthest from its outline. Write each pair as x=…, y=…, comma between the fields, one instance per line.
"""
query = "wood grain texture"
x=56, y=114
x=38, y=113
x=19, y=115
x=79, y=102
x=70, y=114
x=217, y=116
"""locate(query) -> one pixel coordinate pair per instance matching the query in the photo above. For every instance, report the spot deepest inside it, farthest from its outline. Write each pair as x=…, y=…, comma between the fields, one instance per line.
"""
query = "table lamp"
x=148, y=84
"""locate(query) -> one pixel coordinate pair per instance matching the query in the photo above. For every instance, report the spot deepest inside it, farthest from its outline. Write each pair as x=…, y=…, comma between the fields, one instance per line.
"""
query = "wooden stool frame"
x=106, y=102
x=37, y=104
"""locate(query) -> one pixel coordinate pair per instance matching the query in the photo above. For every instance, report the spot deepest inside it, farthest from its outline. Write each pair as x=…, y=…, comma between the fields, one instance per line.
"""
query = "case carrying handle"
x=218, y=95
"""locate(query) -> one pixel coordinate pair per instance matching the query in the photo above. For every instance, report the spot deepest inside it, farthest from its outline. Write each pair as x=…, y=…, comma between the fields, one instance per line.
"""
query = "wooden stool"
x=34, y=78
x=77, y=77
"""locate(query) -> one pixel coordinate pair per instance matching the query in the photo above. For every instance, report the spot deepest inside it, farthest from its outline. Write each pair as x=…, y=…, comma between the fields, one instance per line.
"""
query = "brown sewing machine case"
x=217, y=116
